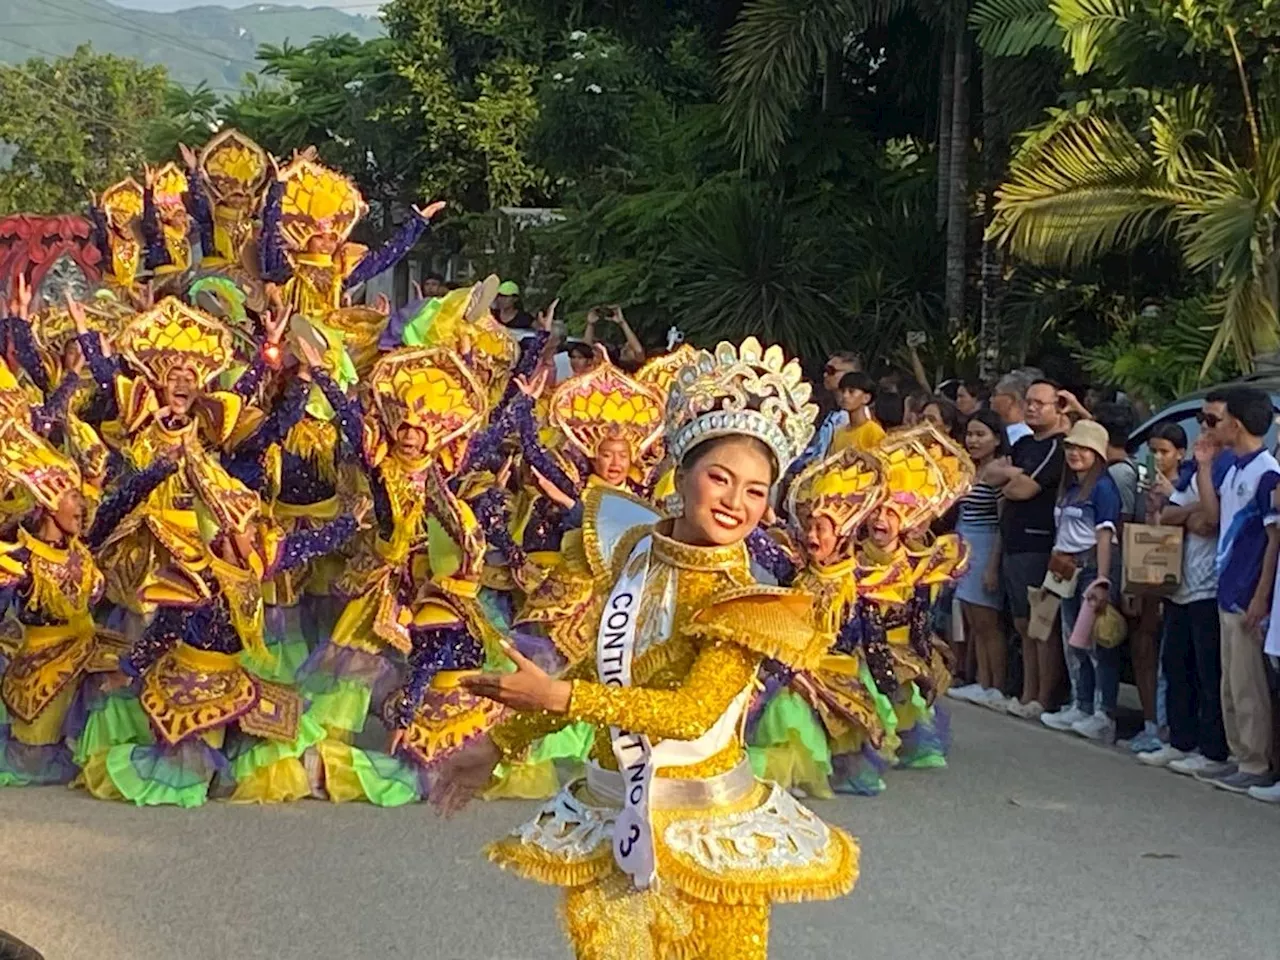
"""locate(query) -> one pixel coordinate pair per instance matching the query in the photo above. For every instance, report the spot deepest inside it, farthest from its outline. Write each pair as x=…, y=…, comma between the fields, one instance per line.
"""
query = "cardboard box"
x=1152, y=559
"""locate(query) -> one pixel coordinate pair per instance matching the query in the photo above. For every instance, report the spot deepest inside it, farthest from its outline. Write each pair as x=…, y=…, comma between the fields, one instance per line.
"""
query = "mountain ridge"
x=208, y=44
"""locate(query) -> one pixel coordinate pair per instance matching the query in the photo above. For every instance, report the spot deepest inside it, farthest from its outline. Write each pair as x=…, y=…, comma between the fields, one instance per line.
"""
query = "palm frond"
x=772, y=56
x=1089, y=189
x=1182, y=124
x=1248, y=323
x=1088, y=25
x=1014, y=28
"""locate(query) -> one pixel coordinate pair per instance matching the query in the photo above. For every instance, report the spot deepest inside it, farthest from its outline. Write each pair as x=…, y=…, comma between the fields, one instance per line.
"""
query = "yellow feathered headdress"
x=430, y=389
x=925, y=473
x=317, y=201
x=660, y=372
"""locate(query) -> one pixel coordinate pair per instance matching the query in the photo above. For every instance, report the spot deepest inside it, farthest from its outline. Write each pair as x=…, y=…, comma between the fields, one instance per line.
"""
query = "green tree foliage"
x=74, y=124
x=1148, y=151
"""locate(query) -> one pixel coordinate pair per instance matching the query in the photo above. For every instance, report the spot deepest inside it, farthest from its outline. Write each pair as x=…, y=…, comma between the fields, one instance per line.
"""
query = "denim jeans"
x=1095, y=673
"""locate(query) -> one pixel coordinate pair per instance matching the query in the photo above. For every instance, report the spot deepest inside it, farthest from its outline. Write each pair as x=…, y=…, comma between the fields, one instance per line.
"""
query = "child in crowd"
x=1088, y=522
x=862, y=433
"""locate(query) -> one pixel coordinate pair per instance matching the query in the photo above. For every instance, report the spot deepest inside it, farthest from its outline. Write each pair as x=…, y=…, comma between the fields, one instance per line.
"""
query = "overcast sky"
x=362, y=7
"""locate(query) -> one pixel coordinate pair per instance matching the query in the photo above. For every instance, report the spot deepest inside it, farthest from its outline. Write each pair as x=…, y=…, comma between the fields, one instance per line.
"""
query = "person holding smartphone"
x=632, y=354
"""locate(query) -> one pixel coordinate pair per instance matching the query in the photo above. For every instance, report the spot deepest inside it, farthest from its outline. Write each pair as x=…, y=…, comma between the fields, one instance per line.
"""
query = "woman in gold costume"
x=684, y=855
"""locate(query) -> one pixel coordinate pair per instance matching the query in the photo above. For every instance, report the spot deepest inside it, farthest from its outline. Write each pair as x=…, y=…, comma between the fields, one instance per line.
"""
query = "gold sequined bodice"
x=682, y=579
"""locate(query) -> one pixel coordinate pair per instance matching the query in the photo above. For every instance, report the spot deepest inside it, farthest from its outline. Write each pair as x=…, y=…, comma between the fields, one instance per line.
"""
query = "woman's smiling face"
x=725, y=492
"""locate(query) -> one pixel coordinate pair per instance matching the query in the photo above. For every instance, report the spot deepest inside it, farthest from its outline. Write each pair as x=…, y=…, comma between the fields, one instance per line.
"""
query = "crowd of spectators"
x=1039, y=624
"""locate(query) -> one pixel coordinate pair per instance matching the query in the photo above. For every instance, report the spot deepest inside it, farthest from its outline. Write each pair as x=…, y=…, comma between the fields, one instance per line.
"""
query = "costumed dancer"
x=306, y=225
x=295, y=461
x=180, y=351
x=832, y=729
x=166, y=225
x=117, y=232
x=227, y=182
x=684, y=856
x=48, y=573
x=901, y=574
x=211, y=718
x=413, y=590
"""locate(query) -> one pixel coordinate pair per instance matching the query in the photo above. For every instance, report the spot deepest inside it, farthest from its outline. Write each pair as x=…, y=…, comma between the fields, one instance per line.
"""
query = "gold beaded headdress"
x=28, y=459
x=233, y=166
x=660, y=372
x=174, y=335
x=122, y=203
x=53, y=327
x=429, y=388
x=606, y=404
x=846, y=488
x=743, y=390
x=919, y=487
x=317, y=201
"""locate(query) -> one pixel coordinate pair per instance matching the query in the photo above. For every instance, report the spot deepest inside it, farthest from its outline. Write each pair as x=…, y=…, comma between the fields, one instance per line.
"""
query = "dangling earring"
x=673, y=505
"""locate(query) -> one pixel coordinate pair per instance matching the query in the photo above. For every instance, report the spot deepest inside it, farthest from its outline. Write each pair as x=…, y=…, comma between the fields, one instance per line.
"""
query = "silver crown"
x=743, y=390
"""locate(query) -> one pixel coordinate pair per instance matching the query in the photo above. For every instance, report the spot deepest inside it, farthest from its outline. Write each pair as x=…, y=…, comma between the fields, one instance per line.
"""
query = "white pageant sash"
x=615, y=650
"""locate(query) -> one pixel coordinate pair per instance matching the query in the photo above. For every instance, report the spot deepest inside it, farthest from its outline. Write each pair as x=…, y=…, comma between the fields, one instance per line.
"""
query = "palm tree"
x=778, y=52
x=1197, y=163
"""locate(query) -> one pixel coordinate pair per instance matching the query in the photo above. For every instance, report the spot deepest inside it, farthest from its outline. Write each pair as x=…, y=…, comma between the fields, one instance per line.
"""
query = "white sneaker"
x=990, y=697
x=1163, y=757
x=1266, y=794
x=1063, y=720
x=1098, y=727
x=1198, y=765
x=967, y=692
x=1026, y=711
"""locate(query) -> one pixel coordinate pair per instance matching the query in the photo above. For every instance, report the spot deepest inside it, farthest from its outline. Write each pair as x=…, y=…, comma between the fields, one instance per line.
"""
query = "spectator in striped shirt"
x=979, y=591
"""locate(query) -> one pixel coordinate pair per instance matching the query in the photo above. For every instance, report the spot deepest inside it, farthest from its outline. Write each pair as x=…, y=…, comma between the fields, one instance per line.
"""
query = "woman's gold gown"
x=726, y=845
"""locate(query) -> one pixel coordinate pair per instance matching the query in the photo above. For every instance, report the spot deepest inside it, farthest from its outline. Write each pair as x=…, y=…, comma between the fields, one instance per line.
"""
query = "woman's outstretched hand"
x=530, y=688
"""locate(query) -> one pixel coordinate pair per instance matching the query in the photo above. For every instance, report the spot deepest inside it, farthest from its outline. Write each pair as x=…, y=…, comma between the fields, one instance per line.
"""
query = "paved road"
x=1032, y=846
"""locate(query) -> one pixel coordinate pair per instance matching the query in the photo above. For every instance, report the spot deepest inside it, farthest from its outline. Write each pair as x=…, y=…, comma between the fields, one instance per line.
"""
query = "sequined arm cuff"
x=197, y=205
x=721, y=672
x=348, y=410
x=513, y=737
x=24, y=345
x=303, y=546
x=156, y=253
x=389, y=254
x=769, y=554
x=275, y=267
x=103, y=370
x=126, y=498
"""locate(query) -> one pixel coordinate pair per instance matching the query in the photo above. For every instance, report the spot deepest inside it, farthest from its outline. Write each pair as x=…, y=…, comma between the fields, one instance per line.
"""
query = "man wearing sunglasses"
x=1248, y=543
x=837, y=365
